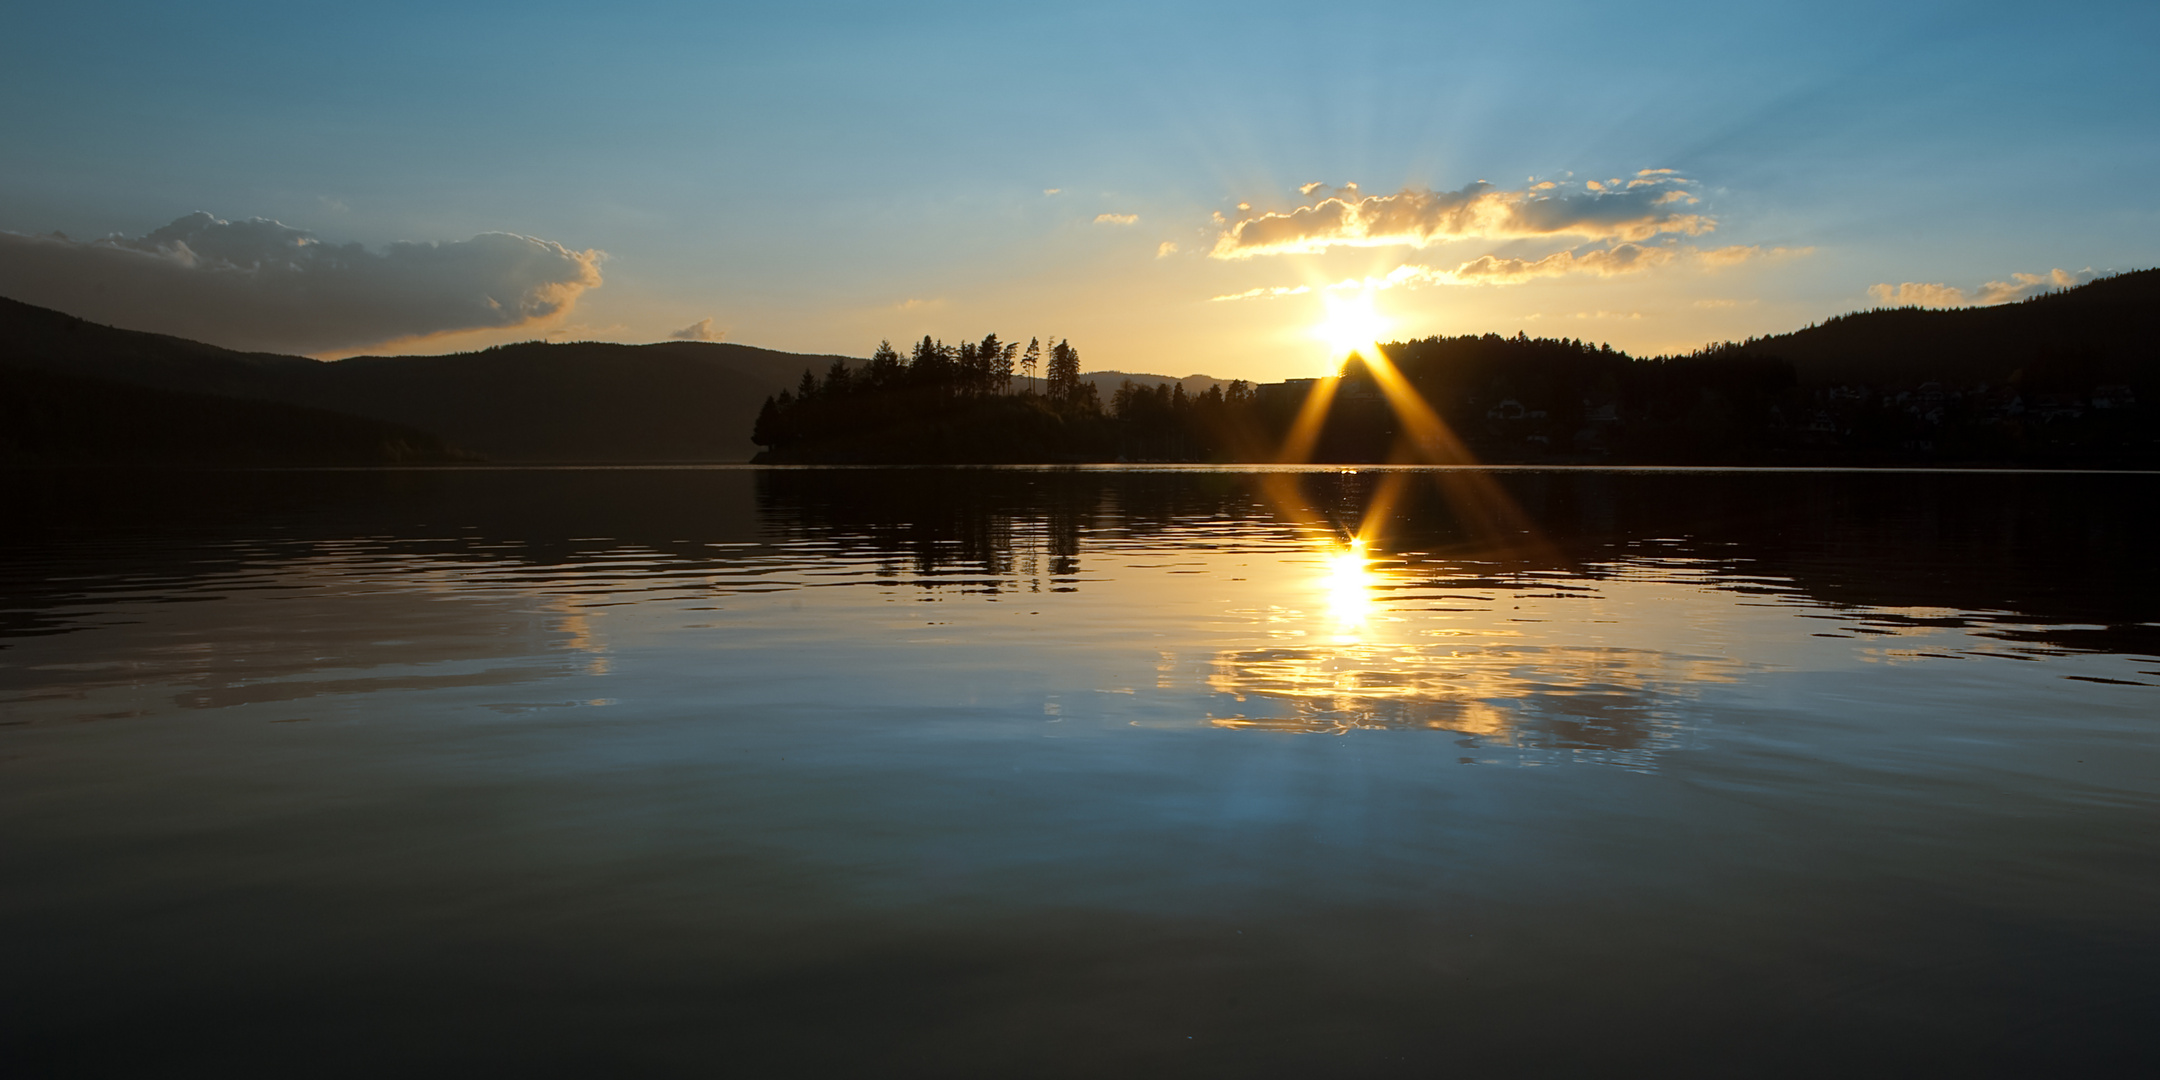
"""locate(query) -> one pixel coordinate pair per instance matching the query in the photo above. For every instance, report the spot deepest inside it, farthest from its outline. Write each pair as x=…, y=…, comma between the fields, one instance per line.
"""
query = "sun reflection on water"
x=1348, y=585
x=1365, y=660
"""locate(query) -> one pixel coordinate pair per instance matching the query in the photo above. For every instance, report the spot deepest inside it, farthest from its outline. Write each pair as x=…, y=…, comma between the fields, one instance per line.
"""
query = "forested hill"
x=47, y=418
x=2107, y=331
x=530, y=402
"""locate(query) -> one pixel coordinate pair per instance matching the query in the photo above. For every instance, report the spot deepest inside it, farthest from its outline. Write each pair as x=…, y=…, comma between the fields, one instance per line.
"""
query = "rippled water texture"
x=1009, y=772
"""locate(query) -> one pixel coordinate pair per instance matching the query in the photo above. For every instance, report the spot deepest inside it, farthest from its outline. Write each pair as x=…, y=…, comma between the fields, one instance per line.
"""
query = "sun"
x=1352, y=326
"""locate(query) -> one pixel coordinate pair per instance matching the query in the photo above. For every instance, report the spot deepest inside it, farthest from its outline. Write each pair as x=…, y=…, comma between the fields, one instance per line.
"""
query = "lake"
x=799, y=772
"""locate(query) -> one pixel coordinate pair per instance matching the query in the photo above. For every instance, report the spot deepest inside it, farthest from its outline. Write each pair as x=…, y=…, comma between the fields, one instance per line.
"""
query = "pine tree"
x=997, y=360
x=1064, y=371
x=885, y=366
x=1030, y=361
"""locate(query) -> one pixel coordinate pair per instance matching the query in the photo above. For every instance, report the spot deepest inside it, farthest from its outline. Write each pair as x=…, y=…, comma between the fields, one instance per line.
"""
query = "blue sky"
x=818, y=177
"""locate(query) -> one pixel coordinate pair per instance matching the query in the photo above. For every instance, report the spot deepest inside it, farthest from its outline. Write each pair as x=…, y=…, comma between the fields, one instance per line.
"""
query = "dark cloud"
x=262, y=285
x=1655, y=202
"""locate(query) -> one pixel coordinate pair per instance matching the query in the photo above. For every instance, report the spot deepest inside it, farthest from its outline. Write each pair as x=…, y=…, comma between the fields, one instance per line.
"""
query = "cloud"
x=258, y=284
x=1052, y=190
x=1737, y=254
x=1253, y=294
x=1508, y=270
x=1166, y=249
x=701, y=330
x=1652, y=204
x=1607, y=262
x=1603, y=262
x=1116, y=219
x=2019, y=287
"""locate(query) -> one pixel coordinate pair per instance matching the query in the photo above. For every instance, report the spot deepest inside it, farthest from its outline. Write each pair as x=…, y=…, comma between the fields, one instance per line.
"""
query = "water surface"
x=994, y=772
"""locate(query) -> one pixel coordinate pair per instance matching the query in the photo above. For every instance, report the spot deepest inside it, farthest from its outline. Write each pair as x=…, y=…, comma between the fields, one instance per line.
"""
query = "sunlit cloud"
x=1613, y=261
x=1255, y=294
x=1739, y=253
x=1052, y=190
x=1166, y=249
x=260, y=284
x=701, y=330
x=1654, y=203
x=2019, y=287
x=1602, y=262
x=917, y=304
x=1607, y=262
x=1116, y=219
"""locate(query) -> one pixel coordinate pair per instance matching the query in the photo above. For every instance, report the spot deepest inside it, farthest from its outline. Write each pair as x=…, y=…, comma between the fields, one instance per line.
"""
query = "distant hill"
x=50, y=418
x=531, y=402
x=2110, y=326
x=587, y=401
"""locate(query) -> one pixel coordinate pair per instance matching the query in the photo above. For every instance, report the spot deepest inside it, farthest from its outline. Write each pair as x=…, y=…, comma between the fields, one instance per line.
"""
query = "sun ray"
x=1304, y=432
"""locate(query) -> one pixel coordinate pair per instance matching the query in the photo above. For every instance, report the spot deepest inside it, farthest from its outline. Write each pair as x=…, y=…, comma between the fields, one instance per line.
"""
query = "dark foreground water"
x=828, y=773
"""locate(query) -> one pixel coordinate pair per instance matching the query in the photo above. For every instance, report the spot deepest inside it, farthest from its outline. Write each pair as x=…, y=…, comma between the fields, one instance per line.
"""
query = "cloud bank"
x=262, y=285
x=2019, y=287
x=1654, y=203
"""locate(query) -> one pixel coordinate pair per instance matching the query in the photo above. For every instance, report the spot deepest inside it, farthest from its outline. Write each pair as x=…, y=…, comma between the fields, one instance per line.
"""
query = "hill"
x=2107, y=331
x=530, y=402
x=50, y=418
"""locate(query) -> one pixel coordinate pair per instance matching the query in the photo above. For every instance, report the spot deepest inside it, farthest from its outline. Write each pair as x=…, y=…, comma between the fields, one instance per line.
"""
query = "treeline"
x=1524, y=399
x=1528, y=400
x=980, y=401
x=985, y=402
x=2066, y=379
x=1161, y=422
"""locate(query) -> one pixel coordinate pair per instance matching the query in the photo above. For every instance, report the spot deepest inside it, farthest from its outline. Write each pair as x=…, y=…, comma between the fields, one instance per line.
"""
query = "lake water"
x=1032, y=772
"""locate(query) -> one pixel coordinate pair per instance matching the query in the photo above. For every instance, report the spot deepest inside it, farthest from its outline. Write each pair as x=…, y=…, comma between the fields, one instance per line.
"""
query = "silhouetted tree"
x=1064, y=371
x=885, y=367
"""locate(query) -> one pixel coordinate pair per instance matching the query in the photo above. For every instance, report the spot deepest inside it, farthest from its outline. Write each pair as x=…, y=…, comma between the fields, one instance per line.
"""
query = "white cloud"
x=1166, y=249
x=1937, y=294
x=1116, y=219
x=1648, y=206
x=259, y=284
x=1052, y=190
x=701, y=330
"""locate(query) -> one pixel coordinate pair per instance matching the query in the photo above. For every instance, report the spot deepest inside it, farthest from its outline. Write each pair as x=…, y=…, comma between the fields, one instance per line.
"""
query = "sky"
x=1175, y=188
